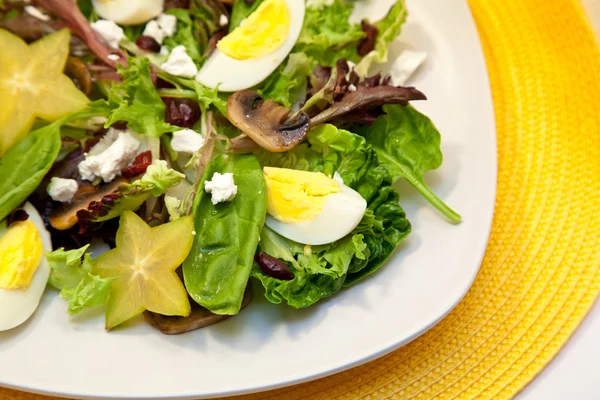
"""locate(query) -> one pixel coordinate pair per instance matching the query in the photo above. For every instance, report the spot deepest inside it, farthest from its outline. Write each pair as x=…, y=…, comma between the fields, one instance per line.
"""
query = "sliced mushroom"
x=200, y=317
x=79, y=74
x=66, y=216
x=268, y=123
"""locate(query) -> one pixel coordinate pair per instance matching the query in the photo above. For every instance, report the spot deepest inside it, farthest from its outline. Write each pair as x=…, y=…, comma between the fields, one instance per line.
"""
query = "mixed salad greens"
x=209, y=144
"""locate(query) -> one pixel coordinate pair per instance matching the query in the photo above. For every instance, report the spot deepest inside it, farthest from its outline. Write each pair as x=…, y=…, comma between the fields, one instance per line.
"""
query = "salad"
x=161, y=157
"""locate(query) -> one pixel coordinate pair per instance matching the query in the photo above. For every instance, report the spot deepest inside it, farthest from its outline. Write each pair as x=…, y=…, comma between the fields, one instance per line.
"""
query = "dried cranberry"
x=273, y=266
x=139, y=165
x=17, y=215
x=162, y=84
x=148, y=43
x=182, y=112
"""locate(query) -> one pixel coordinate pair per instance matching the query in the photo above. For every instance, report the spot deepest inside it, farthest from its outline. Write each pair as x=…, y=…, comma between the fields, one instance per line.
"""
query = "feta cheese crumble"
x=109, y=31
x=406, y=65
x=114, y=57
x=115, y=151
x=180, y=63
x=154, y=31
x=62, y=190
x=187, y=141
x=160, y=28
x=222, y=187
x=352, y=88
x=223, y=20
x=168, y=24
x=35, y=13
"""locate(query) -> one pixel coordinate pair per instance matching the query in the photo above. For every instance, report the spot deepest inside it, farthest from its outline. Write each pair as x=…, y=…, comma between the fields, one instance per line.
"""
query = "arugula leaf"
x=24, y=166
x=408, y=145
x=137, y=102
x=217, y=269
x=287, y=82
x=241, y=10
x=324, y=270
x=74, y=278
x=327, y=35
x=389, y=29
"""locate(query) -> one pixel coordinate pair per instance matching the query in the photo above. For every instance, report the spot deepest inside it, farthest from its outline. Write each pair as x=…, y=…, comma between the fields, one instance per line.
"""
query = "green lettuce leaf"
x=408, y=145
x=137, y=102
x=320, y=271
x=287, y=82
x=241, y=10
x=184, y=35
x=74, y=278
x=389, y=29
x=327, y=35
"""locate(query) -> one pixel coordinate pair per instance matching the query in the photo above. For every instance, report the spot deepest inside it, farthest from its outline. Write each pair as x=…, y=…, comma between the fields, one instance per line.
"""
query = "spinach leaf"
x=241, y=10
x=408, y=145
x=24, y=166
x=217, y=269
x=320, y=271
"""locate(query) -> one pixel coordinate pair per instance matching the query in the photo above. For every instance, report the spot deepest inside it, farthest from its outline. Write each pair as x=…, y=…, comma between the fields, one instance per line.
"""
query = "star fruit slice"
x=144, y=264
x=33, y=85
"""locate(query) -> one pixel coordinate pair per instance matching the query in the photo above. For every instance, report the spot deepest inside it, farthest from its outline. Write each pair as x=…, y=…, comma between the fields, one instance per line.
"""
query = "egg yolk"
x=263, y=32
x=296, y=196
x=21, y=251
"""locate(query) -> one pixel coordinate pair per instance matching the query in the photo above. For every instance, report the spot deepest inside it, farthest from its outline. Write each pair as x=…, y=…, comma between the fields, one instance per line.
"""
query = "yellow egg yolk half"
x=21, y=251
x=296, y=196
x=263, y=32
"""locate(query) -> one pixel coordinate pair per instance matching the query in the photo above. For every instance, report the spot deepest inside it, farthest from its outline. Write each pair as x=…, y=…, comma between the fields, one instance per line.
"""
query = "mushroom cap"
x=271, y=125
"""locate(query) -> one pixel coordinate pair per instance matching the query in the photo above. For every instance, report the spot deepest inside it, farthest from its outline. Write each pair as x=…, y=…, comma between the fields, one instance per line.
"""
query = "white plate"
x=269, y=346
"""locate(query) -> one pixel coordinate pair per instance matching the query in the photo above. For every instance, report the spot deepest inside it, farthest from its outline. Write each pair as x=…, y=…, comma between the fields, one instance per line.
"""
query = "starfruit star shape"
x=144, y=264
x=33, y=85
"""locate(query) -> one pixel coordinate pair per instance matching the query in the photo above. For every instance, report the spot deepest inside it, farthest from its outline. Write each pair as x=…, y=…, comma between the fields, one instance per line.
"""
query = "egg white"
x=17, y=305
x=341, y=213
x=128, y=12
x=230, y=75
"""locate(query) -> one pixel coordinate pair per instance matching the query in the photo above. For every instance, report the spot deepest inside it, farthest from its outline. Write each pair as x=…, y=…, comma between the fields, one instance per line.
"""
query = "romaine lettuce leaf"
x=323, y=270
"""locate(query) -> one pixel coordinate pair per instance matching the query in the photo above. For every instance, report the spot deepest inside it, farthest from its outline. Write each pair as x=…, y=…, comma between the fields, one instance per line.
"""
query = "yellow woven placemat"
x=541, y=271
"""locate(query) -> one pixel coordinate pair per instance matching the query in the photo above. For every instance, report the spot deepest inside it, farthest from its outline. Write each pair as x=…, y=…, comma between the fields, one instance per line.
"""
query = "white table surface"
x=575, y=372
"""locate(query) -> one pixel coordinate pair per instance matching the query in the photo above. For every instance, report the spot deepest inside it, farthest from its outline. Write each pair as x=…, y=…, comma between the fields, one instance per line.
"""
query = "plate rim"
x=365, y=356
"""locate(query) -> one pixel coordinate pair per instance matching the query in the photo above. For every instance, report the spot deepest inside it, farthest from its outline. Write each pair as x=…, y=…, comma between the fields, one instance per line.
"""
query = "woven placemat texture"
x=541, y=272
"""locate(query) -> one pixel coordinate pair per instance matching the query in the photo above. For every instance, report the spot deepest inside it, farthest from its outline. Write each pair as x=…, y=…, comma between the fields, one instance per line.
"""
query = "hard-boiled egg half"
x=309, y=207
x=250, y=53
x=128, y=12
x=24, y=270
